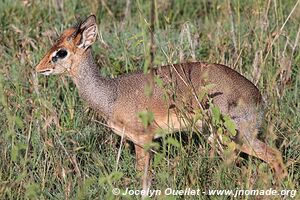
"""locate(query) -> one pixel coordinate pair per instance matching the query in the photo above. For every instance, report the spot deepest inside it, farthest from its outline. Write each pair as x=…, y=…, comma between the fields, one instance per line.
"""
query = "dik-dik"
x=120, y=100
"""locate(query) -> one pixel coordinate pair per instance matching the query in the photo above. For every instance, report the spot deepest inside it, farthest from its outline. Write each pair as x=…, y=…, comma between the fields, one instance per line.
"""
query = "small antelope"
x=119, y=100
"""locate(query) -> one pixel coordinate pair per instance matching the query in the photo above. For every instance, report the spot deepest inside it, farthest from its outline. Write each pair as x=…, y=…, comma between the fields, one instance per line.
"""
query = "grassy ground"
x=53, y=148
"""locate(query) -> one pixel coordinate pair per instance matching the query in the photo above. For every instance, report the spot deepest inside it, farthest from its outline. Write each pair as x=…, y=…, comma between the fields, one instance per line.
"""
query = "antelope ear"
x=89, y=32
x=89, y=21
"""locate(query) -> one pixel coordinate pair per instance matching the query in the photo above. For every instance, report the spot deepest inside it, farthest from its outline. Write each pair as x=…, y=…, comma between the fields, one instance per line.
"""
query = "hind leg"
x=249, y=144
x=268, y=154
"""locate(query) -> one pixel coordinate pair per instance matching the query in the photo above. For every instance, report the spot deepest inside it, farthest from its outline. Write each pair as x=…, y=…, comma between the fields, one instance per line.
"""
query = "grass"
x=52, y=146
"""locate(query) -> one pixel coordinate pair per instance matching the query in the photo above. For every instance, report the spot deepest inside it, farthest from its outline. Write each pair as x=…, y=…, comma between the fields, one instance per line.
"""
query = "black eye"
x=62, y=53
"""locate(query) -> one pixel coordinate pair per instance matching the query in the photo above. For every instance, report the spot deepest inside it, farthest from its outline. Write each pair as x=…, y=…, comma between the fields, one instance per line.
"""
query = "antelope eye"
x=62, y=53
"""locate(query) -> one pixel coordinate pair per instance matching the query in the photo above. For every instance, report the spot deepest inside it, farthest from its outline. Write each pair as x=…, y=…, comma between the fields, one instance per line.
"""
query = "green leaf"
x=158, y=81
x=148, y=90
x=225, y=139
x=159, y=132
x=230, y=125
x=157, y=159
x=173, y=142
x=115, y=176
x=231, y=146
x=151, y=145
x=210, y=86
x=198, y=115
x=216, y=115
x=202, y=94
x=205, y=90
x=146, y=117
x=220, y=131
x=102, y=180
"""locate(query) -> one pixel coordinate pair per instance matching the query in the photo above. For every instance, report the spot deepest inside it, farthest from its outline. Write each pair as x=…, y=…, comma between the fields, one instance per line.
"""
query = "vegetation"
x=54, y=147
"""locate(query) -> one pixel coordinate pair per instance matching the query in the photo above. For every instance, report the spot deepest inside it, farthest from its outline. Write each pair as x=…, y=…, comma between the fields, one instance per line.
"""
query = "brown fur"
x=120, y=100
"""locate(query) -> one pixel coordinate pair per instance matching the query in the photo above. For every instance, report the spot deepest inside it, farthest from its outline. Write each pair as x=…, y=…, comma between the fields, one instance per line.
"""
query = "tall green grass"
x=53, y=146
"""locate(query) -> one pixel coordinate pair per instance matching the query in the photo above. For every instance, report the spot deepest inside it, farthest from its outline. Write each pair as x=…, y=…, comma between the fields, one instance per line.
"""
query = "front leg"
x=142, y=165
x=142, y=158
x=142, y=155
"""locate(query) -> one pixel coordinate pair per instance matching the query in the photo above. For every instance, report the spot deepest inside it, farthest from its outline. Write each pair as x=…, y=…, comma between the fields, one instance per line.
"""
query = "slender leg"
x=142, y=165
x=270, y=155
x=142, y=158
x=248, y=143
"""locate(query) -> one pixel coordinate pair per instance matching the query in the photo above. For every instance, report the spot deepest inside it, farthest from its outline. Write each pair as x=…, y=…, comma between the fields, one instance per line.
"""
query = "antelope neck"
x=99, y=92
